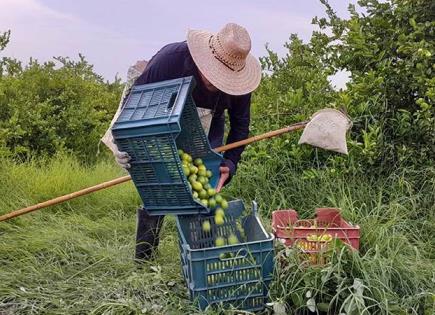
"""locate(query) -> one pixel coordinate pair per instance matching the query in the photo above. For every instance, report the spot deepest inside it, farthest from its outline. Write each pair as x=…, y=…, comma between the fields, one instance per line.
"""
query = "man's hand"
x=225, y=174
x=122, y=158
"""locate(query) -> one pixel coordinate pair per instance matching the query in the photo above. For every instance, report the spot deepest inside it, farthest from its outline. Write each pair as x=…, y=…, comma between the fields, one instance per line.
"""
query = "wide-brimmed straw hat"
x=224, y=58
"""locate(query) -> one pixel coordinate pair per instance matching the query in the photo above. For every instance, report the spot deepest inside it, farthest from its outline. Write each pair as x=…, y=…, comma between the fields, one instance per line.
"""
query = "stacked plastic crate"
x=157, y=120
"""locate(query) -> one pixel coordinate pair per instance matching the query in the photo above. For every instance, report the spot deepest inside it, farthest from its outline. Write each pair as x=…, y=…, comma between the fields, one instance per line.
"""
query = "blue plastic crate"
x=156, y=121
x=232, y=275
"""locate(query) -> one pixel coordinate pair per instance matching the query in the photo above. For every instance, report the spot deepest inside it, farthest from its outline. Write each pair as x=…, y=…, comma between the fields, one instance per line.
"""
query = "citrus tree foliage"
x=4, y=39
x=60, y=105
x=292, y=89
x=389, y=52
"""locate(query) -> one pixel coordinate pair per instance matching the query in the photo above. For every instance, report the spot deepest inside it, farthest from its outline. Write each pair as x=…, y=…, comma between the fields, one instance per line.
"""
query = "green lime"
x=195, y=195
x=202, y=167
x=209, y=174
x=197, y=186
x=220, y=212
x=192, y=178
x=202, y=172
x=207, y=186
x=186, y=170
x=224, y=204
x=197, y=162
x=193, y=169
x=218, y=198
x=202, y=180
x=203, y=194
x=206, y=226
x=211, y=192
x=204, y=202
x=180, y=152
x=232, y=239
x=212, y=203
x=186, y=157
x=219, y=219
x=220, y=241
x=241, y=230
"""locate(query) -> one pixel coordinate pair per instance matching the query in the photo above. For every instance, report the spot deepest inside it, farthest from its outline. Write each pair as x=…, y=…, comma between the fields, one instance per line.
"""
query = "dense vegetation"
x=76, y=257
x=389, y=52
x=61, y=105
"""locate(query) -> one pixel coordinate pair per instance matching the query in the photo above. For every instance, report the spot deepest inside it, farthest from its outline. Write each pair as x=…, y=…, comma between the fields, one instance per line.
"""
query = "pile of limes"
x=198, y=176
x=319, y=238
x=222, y=240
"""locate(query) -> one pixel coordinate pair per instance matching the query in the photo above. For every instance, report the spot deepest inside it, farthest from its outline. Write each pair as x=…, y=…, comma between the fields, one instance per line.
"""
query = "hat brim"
x=229, y=81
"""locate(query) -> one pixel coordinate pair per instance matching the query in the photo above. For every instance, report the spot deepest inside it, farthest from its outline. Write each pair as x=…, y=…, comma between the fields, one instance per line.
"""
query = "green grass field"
x=76, y=258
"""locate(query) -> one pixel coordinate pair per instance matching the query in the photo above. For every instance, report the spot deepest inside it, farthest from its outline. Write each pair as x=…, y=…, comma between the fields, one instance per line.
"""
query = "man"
x=226, y=74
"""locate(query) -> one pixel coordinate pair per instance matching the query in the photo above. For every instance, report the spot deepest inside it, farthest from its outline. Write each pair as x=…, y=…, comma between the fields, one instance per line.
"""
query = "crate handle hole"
x=172, y=100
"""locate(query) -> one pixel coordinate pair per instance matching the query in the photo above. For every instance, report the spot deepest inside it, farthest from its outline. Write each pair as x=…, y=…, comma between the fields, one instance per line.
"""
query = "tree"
x=292, y=89
x=60, y=105
x=390, y=52
x=4, y=39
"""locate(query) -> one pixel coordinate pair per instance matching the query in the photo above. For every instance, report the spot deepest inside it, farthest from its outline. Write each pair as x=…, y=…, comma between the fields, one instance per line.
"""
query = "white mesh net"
x=327, y=130
x=205, y=115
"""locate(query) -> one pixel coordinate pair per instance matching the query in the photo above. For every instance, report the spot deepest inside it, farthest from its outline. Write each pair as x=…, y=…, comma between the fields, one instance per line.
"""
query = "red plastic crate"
x=290, y=230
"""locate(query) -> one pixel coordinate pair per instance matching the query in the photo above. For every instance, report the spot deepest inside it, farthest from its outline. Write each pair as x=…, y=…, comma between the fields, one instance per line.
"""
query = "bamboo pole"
x=64, y=198
x=124, y=179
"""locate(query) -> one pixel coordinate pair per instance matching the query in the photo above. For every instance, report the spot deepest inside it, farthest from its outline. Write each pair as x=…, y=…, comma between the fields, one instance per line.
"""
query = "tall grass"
x=76, y=257
x=395, y=265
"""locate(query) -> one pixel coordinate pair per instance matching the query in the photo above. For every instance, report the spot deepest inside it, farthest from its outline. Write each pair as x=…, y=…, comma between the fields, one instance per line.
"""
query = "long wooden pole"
x=64, y=198
x=124, y=179
x=266, y=135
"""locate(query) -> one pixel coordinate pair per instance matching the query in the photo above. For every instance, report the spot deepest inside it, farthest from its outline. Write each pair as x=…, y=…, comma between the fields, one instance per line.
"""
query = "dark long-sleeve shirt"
x=174, y=61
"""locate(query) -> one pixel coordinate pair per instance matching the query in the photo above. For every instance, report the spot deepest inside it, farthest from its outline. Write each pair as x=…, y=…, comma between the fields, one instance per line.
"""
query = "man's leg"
x=147, y=234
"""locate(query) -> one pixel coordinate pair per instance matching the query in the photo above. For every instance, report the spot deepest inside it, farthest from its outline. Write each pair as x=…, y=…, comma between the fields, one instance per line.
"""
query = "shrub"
x=60, y=105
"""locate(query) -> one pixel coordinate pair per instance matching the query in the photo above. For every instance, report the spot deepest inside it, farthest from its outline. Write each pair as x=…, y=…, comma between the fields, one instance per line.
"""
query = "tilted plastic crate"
x=237, y=275
x=156, y=121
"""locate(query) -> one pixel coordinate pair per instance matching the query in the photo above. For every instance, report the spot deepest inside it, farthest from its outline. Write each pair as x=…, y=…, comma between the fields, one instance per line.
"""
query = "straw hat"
x=224, y=58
